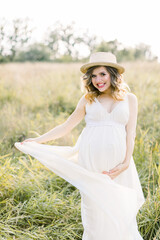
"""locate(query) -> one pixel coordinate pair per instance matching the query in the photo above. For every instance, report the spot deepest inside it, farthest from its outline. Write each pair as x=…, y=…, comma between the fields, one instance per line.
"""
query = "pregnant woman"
x=100, y=164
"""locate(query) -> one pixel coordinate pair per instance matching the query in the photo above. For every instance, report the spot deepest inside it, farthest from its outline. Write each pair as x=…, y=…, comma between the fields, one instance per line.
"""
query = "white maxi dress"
x=108, y=206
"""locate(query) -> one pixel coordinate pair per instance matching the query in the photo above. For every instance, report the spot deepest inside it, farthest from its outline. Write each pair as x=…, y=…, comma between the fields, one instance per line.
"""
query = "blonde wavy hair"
x=118, y=87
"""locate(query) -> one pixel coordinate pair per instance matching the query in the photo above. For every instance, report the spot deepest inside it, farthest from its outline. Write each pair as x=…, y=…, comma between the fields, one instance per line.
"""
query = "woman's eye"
x=103, y=74
x=93, y=76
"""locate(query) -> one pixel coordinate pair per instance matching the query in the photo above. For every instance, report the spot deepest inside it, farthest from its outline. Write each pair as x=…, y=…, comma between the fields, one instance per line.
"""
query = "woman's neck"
x=107, y=93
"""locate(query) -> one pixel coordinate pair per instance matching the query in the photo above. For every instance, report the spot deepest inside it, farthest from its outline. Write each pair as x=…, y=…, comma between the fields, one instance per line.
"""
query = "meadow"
x=34, y=202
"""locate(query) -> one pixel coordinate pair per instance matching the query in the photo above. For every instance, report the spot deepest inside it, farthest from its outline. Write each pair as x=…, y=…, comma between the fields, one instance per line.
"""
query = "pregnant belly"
x=101, y=149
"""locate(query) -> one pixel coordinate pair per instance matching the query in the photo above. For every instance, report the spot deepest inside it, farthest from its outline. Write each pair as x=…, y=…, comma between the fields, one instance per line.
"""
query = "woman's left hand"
x=114, y=172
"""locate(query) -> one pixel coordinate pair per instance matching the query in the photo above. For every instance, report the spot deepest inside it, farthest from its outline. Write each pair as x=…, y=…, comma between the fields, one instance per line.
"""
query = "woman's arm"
x=131, y=127
x=66, y=127
x=130, y=137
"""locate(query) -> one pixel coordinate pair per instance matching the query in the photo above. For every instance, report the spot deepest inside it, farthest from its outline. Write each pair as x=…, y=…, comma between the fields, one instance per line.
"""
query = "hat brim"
x=85, y=67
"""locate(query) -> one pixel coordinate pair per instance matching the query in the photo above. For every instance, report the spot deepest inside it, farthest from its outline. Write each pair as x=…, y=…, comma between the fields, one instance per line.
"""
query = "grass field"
x=34, y=202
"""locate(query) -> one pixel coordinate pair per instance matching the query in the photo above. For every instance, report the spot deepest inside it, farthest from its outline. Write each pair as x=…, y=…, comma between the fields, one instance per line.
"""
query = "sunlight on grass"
x=34, y=202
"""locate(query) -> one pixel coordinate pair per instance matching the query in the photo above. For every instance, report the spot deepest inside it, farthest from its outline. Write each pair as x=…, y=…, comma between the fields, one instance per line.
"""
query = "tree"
x=35, y=52
x=52, y=40
x=2, y=40
x=111, y=46
x=90, y=41
x=125, y=54
x=2, y=37
x=13, y=37
x=143, y=51
x=69, y=39
x=19, y=36
x=65, y=40
x=140, y=52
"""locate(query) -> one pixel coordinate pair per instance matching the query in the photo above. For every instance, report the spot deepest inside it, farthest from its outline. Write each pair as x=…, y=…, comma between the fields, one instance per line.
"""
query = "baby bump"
x=102, y=148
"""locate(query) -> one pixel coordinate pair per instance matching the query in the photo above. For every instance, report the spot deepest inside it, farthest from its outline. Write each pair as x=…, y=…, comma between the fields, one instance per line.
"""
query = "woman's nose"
x=98, y=78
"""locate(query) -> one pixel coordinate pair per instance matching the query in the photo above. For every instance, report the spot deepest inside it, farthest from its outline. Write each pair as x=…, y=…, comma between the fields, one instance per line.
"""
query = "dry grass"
x=37, y=204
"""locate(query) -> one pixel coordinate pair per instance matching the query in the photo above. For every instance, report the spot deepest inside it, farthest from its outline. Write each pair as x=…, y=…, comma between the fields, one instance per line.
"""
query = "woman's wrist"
x=125, y=164
x=39, y=140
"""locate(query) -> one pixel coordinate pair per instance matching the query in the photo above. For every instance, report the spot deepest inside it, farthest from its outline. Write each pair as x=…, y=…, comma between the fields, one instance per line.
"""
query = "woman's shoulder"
x=82, y=101
x=131, y=97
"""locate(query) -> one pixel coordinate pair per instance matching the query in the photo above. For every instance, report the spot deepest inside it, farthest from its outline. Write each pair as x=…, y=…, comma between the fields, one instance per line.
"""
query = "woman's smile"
x=101, y=85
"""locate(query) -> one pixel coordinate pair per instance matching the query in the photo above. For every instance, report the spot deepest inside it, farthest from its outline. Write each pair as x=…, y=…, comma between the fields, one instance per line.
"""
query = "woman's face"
x=101, y=79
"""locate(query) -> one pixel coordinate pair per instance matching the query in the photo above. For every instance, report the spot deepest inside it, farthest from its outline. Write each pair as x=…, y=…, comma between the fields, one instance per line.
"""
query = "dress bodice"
x=96, y=113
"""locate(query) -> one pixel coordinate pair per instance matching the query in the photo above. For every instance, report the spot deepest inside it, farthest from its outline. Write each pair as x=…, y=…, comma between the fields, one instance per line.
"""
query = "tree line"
x=61, y=44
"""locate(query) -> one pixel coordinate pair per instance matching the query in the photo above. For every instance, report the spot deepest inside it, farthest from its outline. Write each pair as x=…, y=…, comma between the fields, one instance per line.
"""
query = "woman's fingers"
x=114, y=172
x=108, y=174
x=105, y=172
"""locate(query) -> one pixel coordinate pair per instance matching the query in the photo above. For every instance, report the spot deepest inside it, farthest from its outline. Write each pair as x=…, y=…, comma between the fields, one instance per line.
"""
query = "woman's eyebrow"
x=98, y=73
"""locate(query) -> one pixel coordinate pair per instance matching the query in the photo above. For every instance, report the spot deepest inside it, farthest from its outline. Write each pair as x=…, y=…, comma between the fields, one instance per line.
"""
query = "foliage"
x=13, y=39
x=63, y=43
x=36, y=52
x=37, y=204
x=139, y=52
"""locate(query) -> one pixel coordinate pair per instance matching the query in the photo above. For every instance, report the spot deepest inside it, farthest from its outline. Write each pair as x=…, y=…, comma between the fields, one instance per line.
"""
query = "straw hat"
x=102, y=59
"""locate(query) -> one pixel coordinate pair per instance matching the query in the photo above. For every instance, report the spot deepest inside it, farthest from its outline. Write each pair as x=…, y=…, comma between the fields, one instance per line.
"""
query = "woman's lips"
x=100, y=85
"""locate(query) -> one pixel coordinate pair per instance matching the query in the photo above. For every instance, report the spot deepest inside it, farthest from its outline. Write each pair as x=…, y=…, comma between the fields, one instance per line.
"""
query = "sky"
x=130, y=22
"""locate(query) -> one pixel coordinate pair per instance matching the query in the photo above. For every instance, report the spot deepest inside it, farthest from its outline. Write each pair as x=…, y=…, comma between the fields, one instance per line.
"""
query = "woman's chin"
x=102, y=89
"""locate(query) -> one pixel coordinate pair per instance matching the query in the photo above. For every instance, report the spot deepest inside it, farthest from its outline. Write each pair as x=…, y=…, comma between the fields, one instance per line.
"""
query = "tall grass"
x=34, y=202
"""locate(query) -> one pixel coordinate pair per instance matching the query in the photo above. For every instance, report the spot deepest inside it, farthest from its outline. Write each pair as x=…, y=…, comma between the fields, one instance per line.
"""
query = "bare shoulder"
x=83, y=99
x=82, y=102
x=132, y=98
